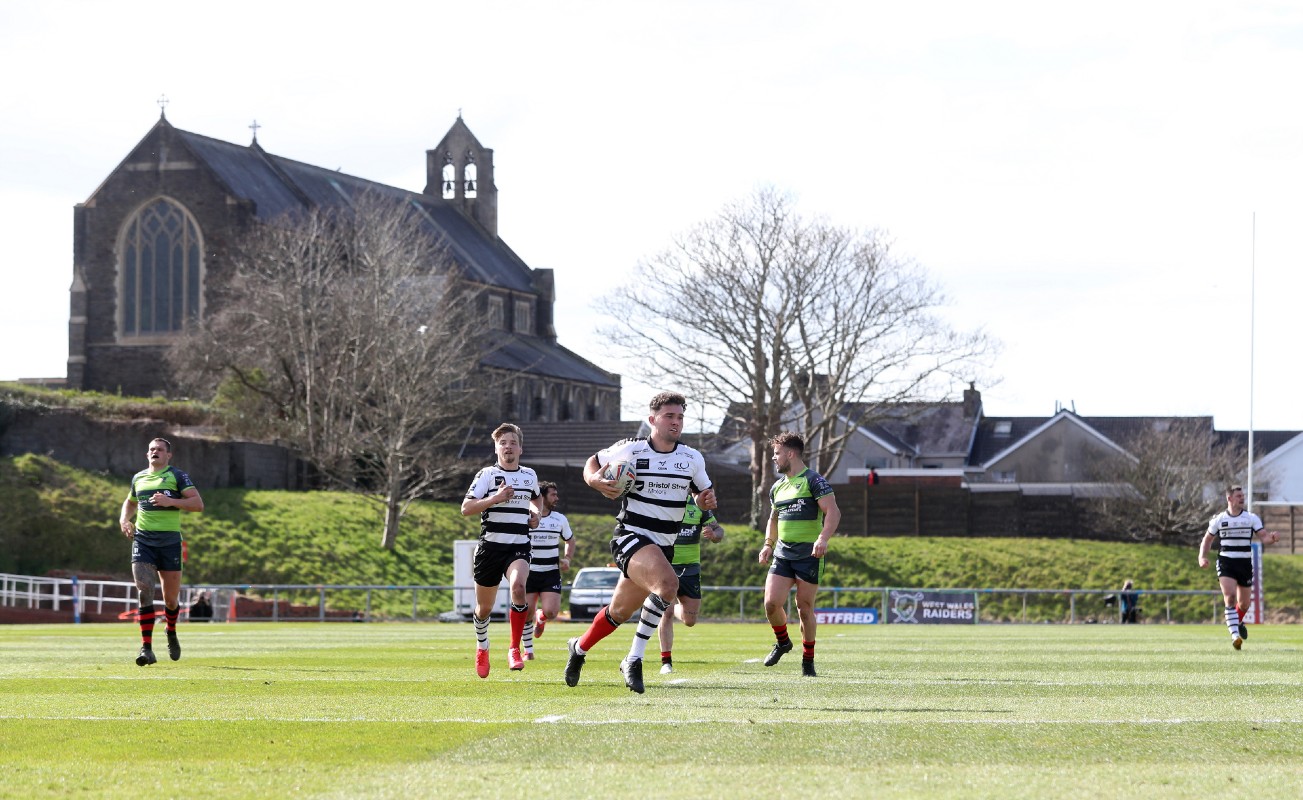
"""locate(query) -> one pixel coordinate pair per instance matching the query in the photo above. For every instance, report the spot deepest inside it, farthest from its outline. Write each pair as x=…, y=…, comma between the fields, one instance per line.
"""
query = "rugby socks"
x=665, y=657
x=517, y=618
x=807, y=651
x=170, y=614
x=780, y=633
x=147, y=626
x=527, y=637
x=481, y=632
x=1231, y=620
x=653, y=609
x=602, y=627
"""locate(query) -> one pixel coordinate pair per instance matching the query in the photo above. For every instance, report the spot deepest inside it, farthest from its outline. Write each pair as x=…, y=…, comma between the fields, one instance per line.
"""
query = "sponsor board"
x=931, y=608
x=846, y=616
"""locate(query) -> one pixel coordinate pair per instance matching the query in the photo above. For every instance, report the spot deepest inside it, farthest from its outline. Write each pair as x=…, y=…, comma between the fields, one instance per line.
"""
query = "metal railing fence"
x=376, y=602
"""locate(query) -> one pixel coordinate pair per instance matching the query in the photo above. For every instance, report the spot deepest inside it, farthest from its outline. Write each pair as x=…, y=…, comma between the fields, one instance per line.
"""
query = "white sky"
x=1082, y=181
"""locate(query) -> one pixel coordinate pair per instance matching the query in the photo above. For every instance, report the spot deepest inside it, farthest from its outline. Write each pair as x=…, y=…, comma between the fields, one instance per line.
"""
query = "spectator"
x=1128, y=598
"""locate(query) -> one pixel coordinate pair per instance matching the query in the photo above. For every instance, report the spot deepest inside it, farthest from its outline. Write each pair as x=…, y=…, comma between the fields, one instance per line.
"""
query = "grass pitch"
x=395, y=710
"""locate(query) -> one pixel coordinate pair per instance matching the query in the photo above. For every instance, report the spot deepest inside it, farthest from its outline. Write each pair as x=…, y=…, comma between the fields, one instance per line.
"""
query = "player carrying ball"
x=666, y=473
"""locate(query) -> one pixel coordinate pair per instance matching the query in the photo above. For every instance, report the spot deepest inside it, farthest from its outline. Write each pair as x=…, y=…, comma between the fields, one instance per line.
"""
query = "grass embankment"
x=103, y=405
x=56, y=517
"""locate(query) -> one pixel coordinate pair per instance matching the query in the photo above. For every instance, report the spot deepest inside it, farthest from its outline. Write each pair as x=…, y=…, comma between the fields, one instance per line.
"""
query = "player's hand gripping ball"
x=622, y=473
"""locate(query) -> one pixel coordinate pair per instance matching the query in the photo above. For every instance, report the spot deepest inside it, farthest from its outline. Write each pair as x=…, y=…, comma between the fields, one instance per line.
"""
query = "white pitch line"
x=632, y=721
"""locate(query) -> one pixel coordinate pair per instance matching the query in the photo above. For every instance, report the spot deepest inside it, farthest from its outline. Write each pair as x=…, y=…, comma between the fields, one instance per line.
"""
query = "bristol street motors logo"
x=904, y=605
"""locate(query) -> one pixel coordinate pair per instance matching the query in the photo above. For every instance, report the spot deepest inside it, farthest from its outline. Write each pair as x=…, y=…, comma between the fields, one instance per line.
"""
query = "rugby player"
x=158, y=496
x=804, y=517
x=666, y=473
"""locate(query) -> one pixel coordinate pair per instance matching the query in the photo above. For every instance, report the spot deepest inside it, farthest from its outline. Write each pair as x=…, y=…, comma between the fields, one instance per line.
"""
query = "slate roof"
x=545, y=357
x=932, y=429
x=277, y=186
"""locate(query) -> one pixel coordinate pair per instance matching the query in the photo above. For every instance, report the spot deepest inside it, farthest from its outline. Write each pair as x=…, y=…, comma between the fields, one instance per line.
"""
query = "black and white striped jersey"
x=508, y=522
x=1235, y=533
x=546, y=539
x=662, y=483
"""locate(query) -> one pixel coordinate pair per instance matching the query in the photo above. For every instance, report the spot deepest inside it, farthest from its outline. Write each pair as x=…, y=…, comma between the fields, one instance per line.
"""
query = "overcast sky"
x=1083, y=181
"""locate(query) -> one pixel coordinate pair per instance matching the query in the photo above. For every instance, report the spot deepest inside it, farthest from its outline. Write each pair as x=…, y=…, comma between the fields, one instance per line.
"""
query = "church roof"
x=545, y=357
x=277, y=186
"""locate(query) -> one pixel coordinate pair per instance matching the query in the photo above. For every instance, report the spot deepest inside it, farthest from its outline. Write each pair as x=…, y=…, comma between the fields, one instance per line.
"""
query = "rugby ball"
x=622, y=473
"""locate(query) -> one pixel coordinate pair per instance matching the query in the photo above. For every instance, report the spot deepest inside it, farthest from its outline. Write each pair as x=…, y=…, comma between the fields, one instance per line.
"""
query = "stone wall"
x=118, y=448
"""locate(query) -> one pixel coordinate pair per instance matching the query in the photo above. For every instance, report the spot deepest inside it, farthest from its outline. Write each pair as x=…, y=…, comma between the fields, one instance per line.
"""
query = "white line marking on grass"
x=677, y=681
x=633, y=721
x=551, y=718
x=752, y=661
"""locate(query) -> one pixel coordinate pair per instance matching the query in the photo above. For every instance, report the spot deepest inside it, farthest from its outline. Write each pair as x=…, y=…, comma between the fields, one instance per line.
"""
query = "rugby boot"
x=514, y=660
x=482, y=662
x=631, y=668
x=173, y=646
x=539, y=622
x=146, y=656
x=780, y=649
x=807, y=668
x=575, y=663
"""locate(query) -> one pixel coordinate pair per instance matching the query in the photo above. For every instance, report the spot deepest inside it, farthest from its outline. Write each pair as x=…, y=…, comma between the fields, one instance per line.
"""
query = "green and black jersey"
x=795, y=499
x=158, y=526
x=687, y=547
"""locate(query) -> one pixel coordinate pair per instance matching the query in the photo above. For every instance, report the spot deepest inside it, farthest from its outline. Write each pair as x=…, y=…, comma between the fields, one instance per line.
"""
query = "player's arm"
x=188, y=501
x=471, y=505
x=1263, y=534
x=126, y=518
x=771, y=537
x=1204, y=545
x=569, y=557
x=832, y=517
x=593, y=477
x=713, y=531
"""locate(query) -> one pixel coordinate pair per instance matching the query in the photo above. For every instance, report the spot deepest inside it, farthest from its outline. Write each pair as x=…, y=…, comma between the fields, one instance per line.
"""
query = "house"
x=957, y=443
x=152, y=245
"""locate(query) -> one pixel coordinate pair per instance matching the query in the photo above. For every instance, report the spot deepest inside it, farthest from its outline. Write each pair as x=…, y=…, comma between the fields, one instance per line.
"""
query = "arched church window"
x=449, y=178
x=472, y=174
x=160, y=271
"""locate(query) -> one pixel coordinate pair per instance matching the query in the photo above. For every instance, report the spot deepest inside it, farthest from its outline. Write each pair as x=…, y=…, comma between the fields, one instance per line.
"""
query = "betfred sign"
x=846, y=616
x=931, y=608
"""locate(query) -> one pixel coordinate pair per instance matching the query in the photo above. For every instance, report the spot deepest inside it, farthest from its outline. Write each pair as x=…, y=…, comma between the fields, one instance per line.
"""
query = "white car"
x=592, y=589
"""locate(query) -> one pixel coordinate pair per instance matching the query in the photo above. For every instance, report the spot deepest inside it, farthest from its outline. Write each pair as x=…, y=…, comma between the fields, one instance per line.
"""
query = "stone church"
x=151, y=243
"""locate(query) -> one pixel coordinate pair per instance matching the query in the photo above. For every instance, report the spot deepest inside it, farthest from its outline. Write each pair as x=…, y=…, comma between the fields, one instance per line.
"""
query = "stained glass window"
x=161, y=271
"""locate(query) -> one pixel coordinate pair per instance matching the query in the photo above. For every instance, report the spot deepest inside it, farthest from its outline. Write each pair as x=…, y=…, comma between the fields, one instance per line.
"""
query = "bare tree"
x=783, y=321
x=1170, y=482
x=349, y=334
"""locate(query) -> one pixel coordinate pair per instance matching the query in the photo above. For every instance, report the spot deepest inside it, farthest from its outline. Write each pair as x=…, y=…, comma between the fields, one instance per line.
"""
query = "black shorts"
x=492, y=561
x=539, y=582
x=624, y=544
x=689, y=585
x=164, y=557
x=808, y=569
x=1241, y=569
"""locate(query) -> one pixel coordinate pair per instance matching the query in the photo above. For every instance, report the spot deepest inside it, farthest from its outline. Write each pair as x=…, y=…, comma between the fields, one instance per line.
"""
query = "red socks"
x=601, y=628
